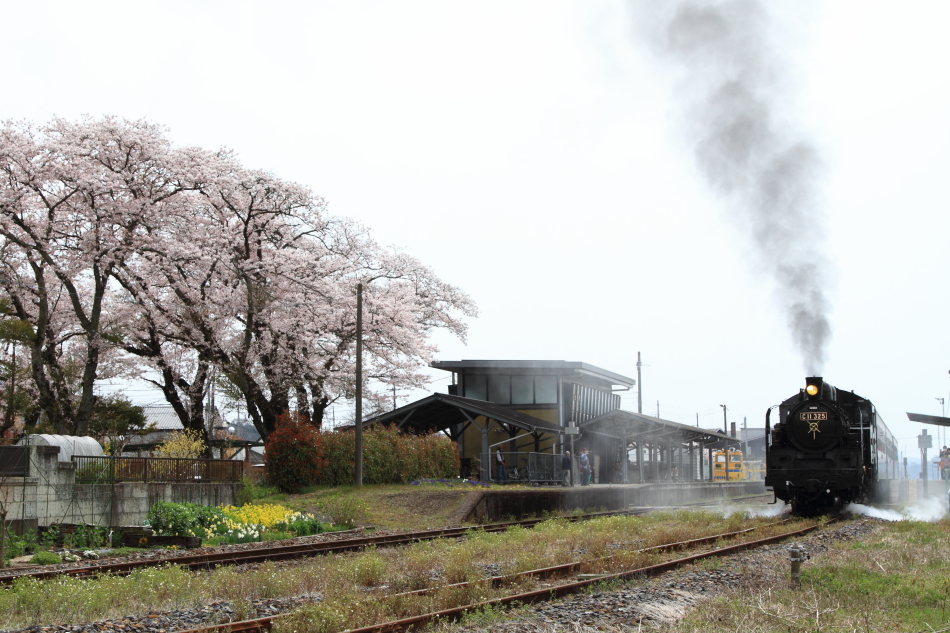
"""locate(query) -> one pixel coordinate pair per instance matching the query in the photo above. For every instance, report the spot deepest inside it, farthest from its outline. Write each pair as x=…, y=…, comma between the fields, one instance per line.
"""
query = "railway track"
x=540, y=595
x=288, y=552
x=303, y=550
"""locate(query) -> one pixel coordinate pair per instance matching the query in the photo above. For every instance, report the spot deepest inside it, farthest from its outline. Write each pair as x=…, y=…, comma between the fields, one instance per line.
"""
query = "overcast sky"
x=534, y=154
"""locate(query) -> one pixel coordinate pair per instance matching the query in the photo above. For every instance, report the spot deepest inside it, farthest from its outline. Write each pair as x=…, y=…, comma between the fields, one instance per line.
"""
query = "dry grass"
x=898, y=579
x=386, y=506
x=355, y=587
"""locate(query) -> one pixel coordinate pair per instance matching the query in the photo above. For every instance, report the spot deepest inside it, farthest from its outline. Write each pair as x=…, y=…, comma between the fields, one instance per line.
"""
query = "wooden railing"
x=91, y=469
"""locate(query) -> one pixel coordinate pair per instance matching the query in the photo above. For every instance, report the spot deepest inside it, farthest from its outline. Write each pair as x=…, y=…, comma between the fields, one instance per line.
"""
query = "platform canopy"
x=928, y=419
x=441, y=411
x=638, y=427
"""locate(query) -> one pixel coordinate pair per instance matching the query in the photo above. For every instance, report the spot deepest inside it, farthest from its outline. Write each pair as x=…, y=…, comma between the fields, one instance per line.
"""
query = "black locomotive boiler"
x=828, y=448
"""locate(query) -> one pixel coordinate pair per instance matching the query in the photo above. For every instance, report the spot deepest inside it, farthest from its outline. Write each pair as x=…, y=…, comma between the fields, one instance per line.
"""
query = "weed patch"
x=895, y=580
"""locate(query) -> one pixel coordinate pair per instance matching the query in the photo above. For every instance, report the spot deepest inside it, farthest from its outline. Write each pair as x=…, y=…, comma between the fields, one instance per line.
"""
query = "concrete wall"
x=496, y=505
x=51, y=495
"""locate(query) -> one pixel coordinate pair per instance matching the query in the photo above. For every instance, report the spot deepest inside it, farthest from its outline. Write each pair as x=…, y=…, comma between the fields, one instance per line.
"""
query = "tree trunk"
x=303, y=404
x=3, y=535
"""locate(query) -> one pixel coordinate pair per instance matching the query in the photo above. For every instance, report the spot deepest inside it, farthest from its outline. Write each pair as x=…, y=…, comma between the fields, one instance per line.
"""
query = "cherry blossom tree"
x=72, y=203
x=126, y=254
x=261, y=283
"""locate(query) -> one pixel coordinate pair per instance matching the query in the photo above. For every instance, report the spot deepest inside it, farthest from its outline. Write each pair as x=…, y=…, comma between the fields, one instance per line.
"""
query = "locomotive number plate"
x=811, y=416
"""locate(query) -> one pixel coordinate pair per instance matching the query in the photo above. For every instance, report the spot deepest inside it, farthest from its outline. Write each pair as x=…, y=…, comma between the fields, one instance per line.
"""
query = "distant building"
x=165, y=421
x=524, y=406
x=554, y=390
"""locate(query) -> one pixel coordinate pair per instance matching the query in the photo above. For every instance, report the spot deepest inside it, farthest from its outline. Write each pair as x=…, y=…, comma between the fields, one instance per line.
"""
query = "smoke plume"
x=766, y=173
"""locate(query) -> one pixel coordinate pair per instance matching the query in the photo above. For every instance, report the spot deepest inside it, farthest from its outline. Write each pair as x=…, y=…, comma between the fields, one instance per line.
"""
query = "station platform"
x=498, y=503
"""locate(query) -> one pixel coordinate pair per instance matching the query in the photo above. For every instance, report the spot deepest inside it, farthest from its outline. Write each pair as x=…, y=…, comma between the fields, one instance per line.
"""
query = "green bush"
x=293, y=455
x=45, y=558
x=185, y=519
x=345, y=510
x=300, y=527
x=252, y=491
x=79, y=536
x=299, y=456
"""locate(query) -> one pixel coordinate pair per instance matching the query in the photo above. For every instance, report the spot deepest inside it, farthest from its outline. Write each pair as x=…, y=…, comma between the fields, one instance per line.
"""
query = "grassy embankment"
x=357, y=588
x=384, y=506
x=897, y=579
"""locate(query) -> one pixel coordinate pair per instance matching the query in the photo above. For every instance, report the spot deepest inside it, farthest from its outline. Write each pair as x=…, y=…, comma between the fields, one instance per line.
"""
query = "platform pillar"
x=701, y=465
x=692, y=461
x=640, y=460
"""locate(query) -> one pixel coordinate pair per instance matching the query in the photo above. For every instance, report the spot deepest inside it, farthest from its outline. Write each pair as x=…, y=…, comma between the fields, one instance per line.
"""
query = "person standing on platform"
x=585, y=468
x=502, y=473
x=566, y=467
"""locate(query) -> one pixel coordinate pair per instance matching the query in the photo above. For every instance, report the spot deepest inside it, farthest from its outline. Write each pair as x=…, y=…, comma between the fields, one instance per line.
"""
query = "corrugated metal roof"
x=559, y=366
x=163, y=416
x=69, y=445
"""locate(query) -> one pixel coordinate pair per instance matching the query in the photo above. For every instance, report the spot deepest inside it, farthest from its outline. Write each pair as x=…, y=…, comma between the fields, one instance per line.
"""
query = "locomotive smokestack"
x=765, y=172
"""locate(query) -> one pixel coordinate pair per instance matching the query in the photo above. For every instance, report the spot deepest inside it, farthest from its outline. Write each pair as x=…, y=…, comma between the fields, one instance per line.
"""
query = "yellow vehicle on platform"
x=728, y=466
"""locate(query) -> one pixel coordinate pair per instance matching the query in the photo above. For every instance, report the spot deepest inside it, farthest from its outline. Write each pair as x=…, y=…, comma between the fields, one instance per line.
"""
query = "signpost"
x=572, y=430
x=924, y=441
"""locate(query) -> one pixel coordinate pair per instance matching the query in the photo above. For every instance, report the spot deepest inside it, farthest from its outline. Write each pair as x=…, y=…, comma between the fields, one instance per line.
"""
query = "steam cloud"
x=929, y=509
x=766, y=173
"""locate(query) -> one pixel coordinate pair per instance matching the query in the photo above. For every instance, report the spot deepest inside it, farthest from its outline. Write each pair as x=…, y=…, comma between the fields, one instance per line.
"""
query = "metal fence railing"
x=156, y=469
x=536, y=468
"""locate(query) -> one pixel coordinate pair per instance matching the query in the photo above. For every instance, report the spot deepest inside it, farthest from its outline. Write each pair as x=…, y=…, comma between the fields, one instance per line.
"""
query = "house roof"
x=163, y=416
x=553, y=366
x=636, y=426
x=441, y=411
x=256, y=455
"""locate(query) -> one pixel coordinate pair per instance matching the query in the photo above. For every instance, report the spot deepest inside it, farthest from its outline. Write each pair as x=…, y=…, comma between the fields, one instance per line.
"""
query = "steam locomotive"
x=827, y=449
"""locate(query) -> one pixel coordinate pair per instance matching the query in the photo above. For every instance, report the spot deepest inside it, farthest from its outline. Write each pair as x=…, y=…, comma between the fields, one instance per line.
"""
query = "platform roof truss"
x=636, y=427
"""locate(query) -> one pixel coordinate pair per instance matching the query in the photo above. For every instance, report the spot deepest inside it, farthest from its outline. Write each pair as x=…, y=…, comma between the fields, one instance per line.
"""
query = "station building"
x=533, y=410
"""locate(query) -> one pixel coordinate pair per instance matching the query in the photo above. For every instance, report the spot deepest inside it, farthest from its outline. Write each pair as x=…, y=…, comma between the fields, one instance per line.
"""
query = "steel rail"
x=284, y=552
x=541, y=595
x=574, y=566
x=544, y=595
x=199, y=562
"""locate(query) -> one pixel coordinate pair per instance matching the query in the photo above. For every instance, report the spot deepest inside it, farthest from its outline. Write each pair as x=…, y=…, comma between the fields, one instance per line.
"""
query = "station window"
x=499, y=388
x=476, y=386
x=507, y=389
x=545, y=389
x=522, y=389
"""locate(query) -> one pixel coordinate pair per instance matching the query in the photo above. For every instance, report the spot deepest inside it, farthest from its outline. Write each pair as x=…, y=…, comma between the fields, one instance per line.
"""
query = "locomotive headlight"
x=811, y=390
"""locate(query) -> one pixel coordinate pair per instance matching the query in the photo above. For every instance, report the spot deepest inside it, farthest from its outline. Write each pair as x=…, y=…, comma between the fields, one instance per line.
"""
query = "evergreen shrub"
x=299, y=455
x=293, y=455
x=46, y=558
x=185, y=519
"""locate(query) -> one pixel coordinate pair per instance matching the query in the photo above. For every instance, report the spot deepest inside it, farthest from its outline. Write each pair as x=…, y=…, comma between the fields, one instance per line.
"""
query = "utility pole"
x=639, y=386
x=745, y=437
x=725, y=425
x=359, y=385
x=394, y=397
x=697, y=419
x=943, y=412
x=657, y=408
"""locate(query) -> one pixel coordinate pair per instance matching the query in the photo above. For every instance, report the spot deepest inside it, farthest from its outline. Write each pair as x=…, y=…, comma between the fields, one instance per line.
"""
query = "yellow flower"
x=267, y=514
